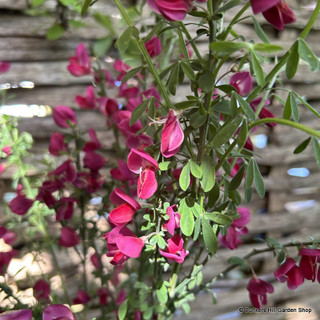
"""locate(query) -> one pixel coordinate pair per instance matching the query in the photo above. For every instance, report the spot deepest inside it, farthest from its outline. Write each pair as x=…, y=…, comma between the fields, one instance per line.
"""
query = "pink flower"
x=79, y=65
x=93, y=161
x=277, y=12
x=121, y=67
x=122, y=244
x=24, y=314
x=20, y=204
x=46, y=190
x=4, y=66
x=291, y=273
x=128, y=92
x=63, y=116
x=174, y=250
x=41, y=290
x=141, y=162
x=172, y=10
x=151, y=92
x=258, y=290
x=57, y=312
x=89, y=101
x=174, y=220
x=153, y=47
x=308, y=263
x=126, y=209
x=57, y=144
x=122, y=173
x=81, y=298
x=103, y=294
x=69, y=237
x=64, y=209
x=66, y=172
x=109, y=108
x=172, y=136
x=2, y=167
x=96, y=260
x=7, y=150
x=8, y=236
x=242, y=81
x=94, y=144
x=238, y=227
x=5, y=258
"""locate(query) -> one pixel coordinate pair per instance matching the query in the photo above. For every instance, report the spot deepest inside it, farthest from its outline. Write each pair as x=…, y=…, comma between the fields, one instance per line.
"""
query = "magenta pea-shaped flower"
x=63, y=116
x=125, y=210
x=258, y=290
x=140, y=162
x=172, y=136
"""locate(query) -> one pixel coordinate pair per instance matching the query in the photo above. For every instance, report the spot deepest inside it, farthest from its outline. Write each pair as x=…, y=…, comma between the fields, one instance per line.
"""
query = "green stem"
x=288, y=123
x=225, y=156
x=174, y=279
x=145, y=54
x=234, y=20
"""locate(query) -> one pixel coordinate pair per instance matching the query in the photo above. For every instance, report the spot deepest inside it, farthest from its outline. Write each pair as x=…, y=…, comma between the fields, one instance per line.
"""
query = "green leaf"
x=245, y=106
x=208, y=173
x=236, y=180
x=249, y=174
x=291, y=108
x=316, y=149
x=281, y=257
x=185, y=104
x=197, y=120
x=184, y=179
x=306, y=54
x=209, y=237
x=226, y=88
x=228, y=46
x=218, y=217
x=101, y=46
x=293, y=61
x=138, y=112
x=173, y=79
x=36, y=3
x=188, y=71
x=266, y=47
x=128, y=48
x=130, y=74
x=195, y=169
x=256, y=66
x=162, y=293
x=226, y=132
x=305, y=103
x=236, y=261
x=228, y=5
x=187, y=218
x=258, y=180
x=105, y=21
x=123, y=310
x=259, y=31
x=196, y=229
x=206, y=81
x=77, y=24
x=243, y=134
x=55, y=32
x=301, y=147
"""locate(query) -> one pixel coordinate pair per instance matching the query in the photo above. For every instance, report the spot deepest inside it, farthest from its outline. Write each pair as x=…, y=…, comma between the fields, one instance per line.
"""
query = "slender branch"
x=285, y=122
x=145, y=54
